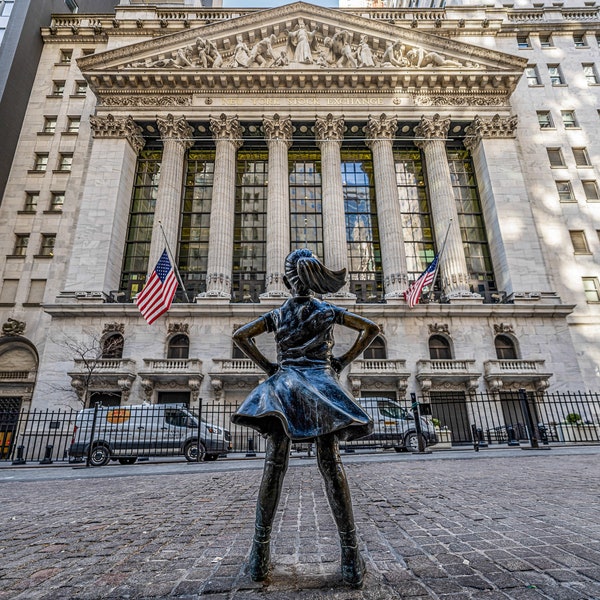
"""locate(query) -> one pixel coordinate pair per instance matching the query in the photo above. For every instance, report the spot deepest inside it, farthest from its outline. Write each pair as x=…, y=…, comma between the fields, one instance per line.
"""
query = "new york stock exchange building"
x=377, y=138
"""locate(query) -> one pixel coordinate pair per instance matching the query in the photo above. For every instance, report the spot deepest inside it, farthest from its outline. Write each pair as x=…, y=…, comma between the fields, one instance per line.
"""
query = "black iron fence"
x=438, y=420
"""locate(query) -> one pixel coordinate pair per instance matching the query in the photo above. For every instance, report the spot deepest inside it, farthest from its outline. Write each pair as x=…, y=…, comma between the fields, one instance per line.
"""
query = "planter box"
x=444, y=437
x=577, y=433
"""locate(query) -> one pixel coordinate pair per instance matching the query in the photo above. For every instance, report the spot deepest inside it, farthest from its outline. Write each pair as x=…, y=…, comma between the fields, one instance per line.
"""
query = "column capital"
x=434, y=128
x=496, y=127
x=111, y=127
x=176, y=128
x=277, y=128
x=329, y=129
x=380, y=128
x=227, y=129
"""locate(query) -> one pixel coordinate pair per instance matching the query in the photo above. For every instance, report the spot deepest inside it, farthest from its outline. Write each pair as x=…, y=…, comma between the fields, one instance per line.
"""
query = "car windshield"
x=387, y=409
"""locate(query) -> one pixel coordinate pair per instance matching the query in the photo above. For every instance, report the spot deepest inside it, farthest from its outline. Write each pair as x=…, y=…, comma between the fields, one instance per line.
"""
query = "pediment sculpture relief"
x=301, y=47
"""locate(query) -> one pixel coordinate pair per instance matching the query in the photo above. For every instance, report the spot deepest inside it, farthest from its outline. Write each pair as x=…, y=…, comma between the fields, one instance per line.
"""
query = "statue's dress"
x=305, y=394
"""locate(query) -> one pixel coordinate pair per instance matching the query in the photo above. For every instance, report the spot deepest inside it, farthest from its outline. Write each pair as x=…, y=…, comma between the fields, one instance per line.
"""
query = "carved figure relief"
x=13, y=327
x=303, y=42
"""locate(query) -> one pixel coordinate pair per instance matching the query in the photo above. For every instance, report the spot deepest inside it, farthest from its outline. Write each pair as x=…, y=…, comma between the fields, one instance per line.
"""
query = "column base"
x=273, y=296
x=215, y=296
x=395, y=295
x=464, y=298
x=95, y=297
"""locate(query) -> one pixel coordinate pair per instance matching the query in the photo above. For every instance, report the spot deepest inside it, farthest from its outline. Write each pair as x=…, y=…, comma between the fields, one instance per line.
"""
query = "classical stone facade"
x=378, y=138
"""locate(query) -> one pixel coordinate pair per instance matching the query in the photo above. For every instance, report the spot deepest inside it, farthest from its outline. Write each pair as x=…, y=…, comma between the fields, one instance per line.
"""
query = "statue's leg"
x=276, y=462
x=338, y=494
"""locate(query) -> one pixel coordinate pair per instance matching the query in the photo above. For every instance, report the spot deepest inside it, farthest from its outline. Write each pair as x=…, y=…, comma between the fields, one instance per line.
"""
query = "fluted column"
x=176, y=137
x=453, y=264
x=95, y=264
x=227, y=134
x=278, y=133
x=380, y=139
x=329, y=132
x=506, y=206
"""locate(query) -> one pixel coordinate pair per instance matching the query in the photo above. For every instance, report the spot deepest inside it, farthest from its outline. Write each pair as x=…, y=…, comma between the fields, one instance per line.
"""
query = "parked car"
x=394, y=426
x=125, y=433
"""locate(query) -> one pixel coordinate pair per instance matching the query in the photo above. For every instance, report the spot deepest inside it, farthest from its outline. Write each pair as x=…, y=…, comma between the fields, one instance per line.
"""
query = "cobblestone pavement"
x=524, y=526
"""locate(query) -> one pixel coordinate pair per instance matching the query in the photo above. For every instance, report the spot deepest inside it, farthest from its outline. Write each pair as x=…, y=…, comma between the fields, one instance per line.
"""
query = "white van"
x=124, y=433
x=394, y=425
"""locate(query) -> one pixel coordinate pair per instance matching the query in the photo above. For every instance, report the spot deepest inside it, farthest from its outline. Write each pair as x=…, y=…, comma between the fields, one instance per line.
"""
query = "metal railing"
x=447, y=420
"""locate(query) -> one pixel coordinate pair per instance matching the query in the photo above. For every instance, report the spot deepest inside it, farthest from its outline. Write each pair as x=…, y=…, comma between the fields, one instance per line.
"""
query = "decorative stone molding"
x=380, y=128
x=176, y=129
x=277, y=128
x=227, y=129
x=421, y=99
x=439, y=328
x=113, y=328
x=221, y=284
x=496, y=127
x=148, y=388
x=146, y=100
x=111, y=127
x=329, y=129
x=503, y=328
x=435, y=127
x=13, y=327
x=178, y=328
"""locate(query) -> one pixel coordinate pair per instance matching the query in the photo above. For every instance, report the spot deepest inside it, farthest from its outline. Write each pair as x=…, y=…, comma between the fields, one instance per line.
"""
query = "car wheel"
x=211, y=457
x=411, y=442
x=128, y=461
x=100, y=456
x=194, y=451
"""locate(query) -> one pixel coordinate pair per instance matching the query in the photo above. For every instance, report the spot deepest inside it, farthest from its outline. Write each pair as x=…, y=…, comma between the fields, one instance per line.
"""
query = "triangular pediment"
x=301, y=45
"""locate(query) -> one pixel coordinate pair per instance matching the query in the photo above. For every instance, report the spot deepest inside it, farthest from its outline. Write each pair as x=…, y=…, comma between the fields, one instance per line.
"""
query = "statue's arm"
x=367, y=332
x=244, y=339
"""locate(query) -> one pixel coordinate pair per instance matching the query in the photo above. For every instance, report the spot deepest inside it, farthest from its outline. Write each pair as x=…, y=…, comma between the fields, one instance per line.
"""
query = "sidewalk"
x=485, y=526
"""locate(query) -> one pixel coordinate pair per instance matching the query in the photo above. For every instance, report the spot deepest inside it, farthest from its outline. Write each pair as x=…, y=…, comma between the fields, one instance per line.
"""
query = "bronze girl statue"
x=303, y=401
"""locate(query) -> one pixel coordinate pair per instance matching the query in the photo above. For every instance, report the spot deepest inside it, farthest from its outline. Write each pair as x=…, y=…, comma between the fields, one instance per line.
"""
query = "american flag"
x=413, y=294
x=157, y=294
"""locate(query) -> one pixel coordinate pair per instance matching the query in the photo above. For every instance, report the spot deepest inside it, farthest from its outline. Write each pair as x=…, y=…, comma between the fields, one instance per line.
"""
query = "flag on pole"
x=157, y=294
x=413, y=294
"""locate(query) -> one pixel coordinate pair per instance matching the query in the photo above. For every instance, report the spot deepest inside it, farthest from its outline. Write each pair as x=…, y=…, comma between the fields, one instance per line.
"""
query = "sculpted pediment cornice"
x=301, y=46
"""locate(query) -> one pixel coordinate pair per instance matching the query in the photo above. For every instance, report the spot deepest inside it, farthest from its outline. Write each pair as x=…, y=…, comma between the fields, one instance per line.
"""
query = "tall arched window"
x=439, y=348
x=112, y=346
x=179, y=347
x=376, y=350
x=505, y=348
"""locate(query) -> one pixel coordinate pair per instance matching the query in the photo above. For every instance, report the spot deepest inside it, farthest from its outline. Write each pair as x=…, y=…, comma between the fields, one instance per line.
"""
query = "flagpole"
x=437, y=267
x=172, y=259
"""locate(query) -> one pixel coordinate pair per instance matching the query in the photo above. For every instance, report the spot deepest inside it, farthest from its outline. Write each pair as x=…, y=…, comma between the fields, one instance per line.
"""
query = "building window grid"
x=250, y=239
x=555, y=156
x=419, y=244
x=579, y=40
x=306, y=218
x=579, y=241
x=546, y=41
x=141, y=219
x=565, y=191
x=80, y=88
x=58, y=88
x=590, y=187
x=47, y=244
x=533, y=77
x=556, y=76
x=57, y=200
x=195, y=225
x=41, y=161
x=581, y=156
x=65, y=57
x=523, y=42
x=73, y=124
x=21, y=243
x=472, y=225
x=545, y=119
x=362, y=227
x=65, y=161
x=31, y=201
x=568, y=119
x=591, y=289
x=49, y=125
x=590, y=73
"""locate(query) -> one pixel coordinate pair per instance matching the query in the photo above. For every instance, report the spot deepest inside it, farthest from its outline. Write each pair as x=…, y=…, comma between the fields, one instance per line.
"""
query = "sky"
x=273, y=3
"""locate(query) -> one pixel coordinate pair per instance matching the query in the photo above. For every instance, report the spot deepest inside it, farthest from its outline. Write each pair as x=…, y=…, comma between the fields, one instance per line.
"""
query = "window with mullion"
x=195, y=223
x=250, y=235
x=472, y=225
x=141, y=219
x=416, y=214
x=362, y=228
x=306, y=217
